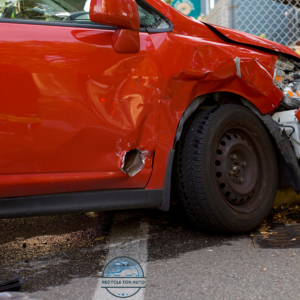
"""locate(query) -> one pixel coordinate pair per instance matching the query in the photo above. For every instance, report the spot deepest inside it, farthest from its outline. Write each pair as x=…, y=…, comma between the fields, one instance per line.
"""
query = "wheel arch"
x=288, y=165
x=211, y=99
x=198, y=102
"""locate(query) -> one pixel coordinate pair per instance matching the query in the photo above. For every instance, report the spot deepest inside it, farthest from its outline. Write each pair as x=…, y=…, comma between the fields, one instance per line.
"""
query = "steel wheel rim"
x=237, y=168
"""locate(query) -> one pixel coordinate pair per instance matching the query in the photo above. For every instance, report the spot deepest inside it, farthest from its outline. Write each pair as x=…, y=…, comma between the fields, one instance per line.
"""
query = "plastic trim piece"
x=187, y=113
x=168, y=175
x=83, y=25
x=152, y=30
x=77, y=25
x=103, y=200
x=167, y=185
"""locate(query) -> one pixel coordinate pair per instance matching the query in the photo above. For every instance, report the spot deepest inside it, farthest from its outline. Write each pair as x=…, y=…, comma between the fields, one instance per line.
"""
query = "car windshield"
x=69, y=11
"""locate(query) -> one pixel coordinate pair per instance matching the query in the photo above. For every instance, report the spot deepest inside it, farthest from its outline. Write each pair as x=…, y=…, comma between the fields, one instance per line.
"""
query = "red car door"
x=71, y=106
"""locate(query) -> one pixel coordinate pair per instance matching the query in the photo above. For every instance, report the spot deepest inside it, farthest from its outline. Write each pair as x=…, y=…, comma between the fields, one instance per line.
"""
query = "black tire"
x=218, y=191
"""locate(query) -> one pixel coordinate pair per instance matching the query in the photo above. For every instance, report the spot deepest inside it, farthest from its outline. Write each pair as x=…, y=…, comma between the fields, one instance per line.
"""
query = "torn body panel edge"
x=247, y=40
x=288, y=163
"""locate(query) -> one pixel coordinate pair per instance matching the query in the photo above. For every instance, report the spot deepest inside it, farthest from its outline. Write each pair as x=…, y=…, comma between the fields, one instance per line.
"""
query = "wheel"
x=226, y=169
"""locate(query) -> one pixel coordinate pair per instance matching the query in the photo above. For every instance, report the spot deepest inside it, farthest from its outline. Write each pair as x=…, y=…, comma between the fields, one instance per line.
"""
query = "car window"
x=69, y=11
x=46, y=10
x=149, y=18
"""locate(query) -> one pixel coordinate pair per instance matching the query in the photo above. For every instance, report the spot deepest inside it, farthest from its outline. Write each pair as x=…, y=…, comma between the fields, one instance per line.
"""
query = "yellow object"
x=286, y=196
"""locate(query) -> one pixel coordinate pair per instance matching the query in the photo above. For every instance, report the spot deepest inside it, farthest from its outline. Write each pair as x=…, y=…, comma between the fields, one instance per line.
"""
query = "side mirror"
x=122, y=14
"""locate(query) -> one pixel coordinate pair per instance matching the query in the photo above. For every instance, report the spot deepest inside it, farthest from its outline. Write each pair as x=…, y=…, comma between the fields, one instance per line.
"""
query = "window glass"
x=149, y=18
x=46, y=10
x=69, y=11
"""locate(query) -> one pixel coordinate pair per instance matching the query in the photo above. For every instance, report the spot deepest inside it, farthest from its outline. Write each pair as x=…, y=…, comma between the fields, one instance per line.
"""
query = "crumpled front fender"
x=195, y=66
x=242, y=38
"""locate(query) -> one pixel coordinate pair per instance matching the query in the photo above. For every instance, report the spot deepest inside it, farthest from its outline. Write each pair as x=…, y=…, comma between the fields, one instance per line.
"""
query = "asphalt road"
x=59, y=257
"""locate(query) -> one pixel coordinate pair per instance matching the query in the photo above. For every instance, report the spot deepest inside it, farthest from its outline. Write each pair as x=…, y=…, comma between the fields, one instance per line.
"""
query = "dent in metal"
x=133, y=161
x=194, y=76
x=237, y=61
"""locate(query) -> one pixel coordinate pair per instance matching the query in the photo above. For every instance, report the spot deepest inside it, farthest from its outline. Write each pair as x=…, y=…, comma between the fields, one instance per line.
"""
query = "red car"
x=105, y=104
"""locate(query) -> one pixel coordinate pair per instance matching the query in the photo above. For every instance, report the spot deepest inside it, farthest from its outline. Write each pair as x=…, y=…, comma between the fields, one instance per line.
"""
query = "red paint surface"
x=126, y=41
x=250, y=39
x=119, y=13
x=71, y=105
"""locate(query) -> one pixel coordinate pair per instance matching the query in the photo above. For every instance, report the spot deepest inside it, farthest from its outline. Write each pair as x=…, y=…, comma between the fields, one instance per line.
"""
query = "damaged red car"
x=110, y=105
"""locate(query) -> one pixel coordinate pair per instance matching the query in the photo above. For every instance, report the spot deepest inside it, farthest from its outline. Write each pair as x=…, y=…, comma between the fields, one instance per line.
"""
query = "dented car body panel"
x=209, y=65
x=80, y=107
x=77, y=107
x=249, y=39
